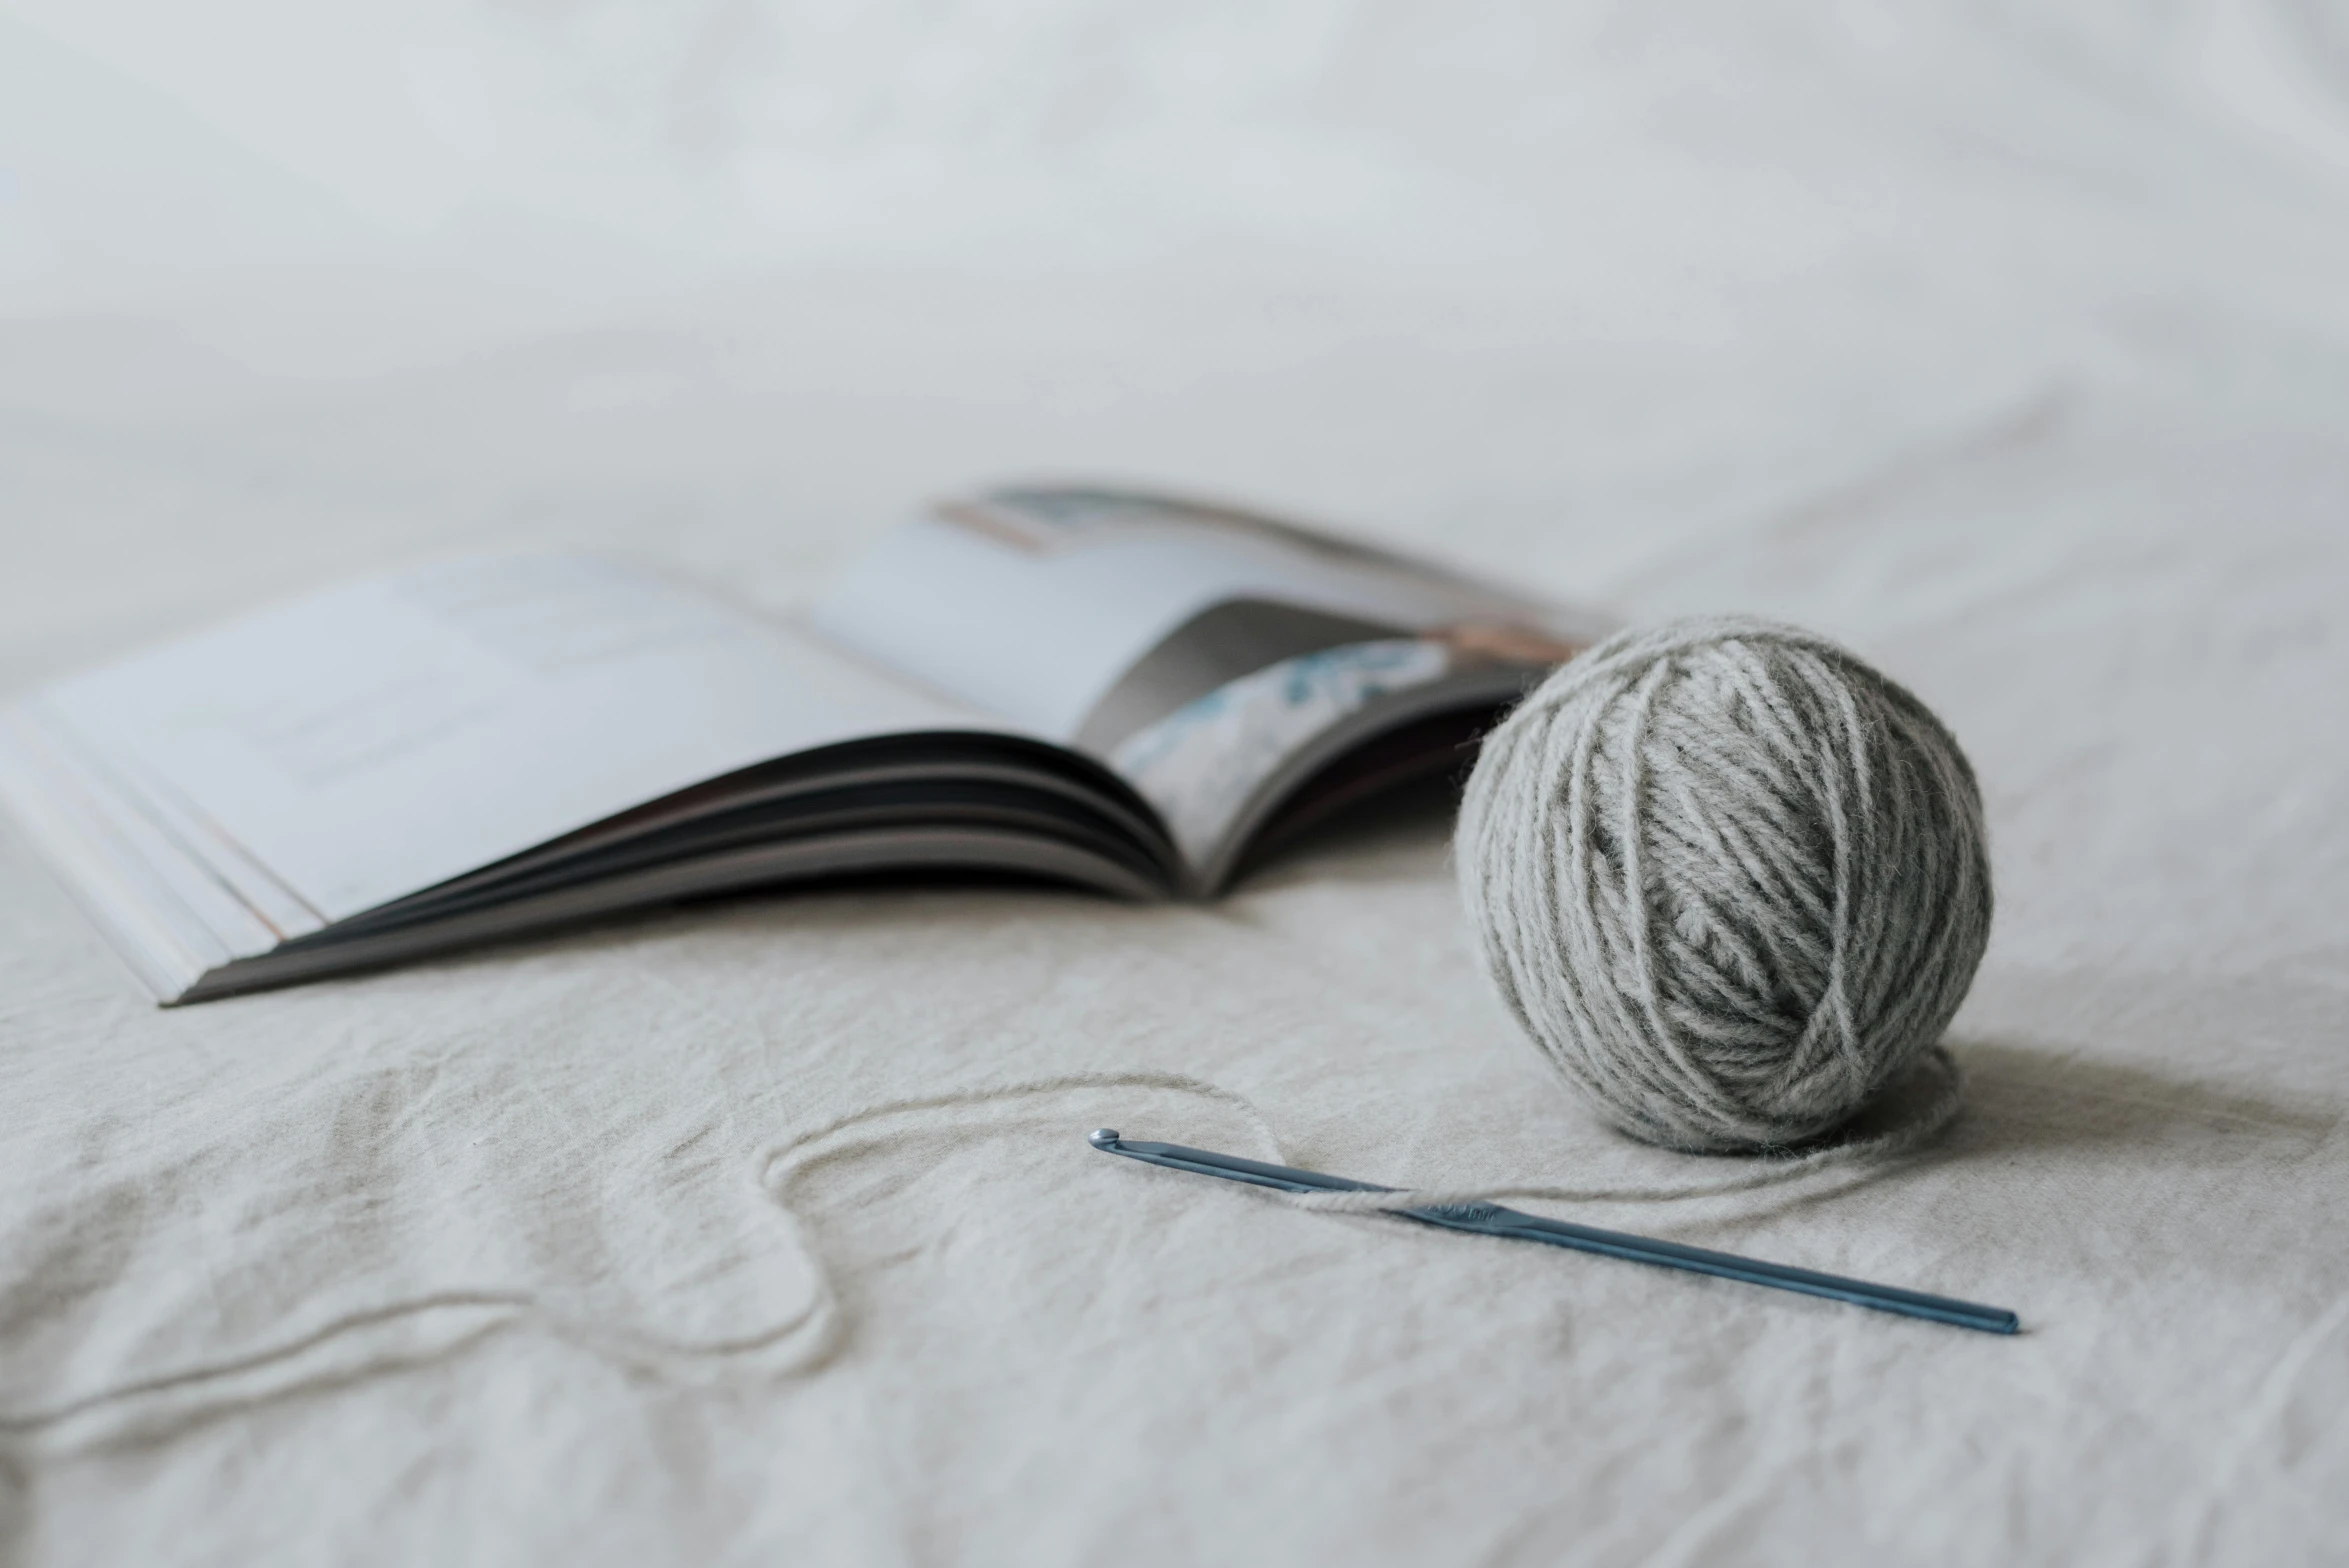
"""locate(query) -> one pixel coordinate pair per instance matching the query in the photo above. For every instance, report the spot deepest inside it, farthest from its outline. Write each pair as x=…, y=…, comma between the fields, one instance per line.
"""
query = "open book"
x=1124, y=692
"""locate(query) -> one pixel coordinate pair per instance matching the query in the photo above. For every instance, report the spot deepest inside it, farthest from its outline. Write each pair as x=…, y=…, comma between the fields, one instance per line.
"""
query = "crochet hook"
x=1490, y=1219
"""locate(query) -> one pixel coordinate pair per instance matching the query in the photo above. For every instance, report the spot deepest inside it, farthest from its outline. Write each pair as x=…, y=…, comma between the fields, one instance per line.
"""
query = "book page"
x=331, y=754
x=1193, y=648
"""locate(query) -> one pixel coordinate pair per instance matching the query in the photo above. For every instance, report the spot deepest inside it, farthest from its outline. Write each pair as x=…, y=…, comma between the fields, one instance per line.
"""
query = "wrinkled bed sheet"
x=2015, y=353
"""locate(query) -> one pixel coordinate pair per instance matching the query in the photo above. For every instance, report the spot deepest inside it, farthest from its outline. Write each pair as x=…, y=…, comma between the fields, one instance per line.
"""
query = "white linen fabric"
x=2010, y=350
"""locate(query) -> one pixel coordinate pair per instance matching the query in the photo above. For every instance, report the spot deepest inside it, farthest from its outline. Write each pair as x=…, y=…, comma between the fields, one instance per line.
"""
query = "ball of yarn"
x=1730, y=878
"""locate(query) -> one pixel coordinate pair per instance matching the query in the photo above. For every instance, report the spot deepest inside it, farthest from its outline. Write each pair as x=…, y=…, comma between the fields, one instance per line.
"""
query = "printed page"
x=357, y=746
x=1193, y=648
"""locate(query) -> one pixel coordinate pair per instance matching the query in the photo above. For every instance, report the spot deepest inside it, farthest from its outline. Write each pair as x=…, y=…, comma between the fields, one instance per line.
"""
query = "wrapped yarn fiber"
x=1731, y=880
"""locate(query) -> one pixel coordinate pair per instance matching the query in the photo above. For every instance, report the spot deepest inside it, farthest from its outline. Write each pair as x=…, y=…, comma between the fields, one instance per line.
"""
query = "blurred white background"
x=1888, y=318
x=155, y=151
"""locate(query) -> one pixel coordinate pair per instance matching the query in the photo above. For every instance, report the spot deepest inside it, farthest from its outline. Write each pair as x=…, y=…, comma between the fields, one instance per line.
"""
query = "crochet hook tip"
x=1103, y=1137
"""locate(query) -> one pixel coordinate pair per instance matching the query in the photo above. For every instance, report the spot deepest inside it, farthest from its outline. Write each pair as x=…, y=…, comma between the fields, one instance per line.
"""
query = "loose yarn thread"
x=802, y=1338
x=1731, y=879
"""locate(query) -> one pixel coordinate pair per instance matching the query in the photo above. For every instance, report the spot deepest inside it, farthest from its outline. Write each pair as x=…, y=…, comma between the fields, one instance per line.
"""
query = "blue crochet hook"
x=1490, y=1219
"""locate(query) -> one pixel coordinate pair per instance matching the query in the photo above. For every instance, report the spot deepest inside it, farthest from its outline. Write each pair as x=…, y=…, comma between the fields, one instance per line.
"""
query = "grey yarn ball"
x=1731, y=879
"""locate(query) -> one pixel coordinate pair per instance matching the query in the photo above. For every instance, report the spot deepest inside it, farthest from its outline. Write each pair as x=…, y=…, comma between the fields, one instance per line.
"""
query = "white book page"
x=1194, y=649
x=377, y=739
x=1033, y=604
